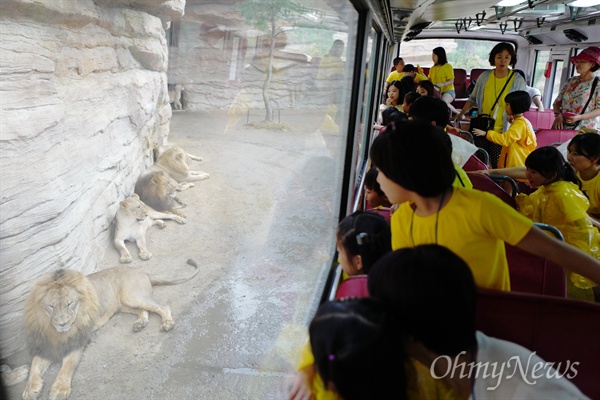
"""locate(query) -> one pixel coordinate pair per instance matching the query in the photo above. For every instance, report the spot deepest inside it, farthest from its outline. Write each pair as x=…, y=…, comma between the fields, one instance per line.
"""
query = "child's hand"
x=301, y=385
x=479, y=132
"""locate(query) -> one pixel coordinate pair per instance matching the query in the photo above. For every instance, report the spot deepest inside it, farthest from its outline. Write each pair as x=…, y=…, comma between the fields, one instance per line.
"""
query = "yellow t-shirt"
x=440, y=74
x=474, y=225
x=462, y=179
x=517, y=143
x=592, y=189
x=396, y=76
x=492, y=89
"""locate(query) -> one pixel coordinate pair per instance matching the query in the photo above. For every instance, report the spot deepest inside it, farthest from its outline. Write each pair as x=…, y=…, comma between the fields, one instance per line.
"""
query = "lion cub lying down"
x=132, y=221
x=176, y=162
x=65, y=307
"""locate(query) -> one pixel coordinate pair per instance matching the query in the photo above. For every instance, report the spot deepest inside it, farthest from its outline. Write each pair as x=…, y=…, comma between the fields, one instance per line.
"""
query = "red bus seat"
x=474, y=164
x=558, y=330
x=354, y=286
x=545, y=137
x=540, y=119
x=486, y=184
x=475, y=72
x=534, y=274
x=384, y=212
x=460, y=87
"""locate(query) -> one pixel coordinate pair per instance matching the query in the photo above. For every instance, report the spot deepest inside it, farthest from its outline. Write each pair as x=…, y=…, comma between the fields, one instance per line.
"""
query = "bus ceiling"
x=542, y=22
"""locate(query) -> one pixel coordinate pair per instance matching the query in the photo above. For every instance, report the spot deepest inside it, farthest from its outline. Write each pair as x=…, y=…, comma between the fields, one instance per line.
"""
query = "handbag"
x=484, y=121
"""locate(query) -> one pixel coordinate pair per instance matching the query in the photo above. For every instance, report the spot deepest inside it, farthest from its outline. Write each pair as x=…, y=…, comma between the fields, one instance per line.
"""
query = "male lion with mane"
x=159, y=191
x=65, y=307
x=176, y=162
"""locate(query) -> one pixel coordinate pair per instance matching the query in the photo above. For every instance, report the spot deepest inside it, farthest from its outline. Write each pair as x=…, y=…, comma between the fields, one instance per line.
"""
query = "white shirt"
x=513, y=372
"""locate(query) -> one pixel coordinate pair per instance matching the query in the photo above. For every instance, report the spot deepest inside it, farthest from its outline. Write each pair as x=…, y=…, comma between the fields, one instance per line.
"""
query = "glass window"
x=558, y=71
x=538, y=79
x=462, y=53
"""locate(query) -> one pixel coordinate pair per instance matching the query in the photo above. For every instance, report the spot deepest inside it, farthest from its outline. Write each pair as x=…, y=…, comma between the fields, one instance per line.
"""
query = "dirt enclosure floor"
x=261, y=229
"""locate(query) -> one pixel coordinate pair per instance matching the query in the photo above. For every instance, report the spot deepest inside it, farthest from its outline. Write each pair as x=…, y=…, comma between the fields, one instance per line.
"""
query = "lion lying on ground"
x=159, y=191
x=176, y=162
x=65, y=307
x=132, y=220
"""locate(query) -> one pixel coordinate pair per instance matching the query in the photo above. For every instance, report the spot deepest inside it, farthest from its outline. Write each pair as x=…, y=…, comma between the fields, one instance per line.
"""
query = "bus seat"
x=460, y=87
x=534, y=274
x=486, y=184
x=475, y=72
x=474, y=164
x=425, y=71
x=558, y=330
x=545, y=137
x=384, y=212
x=354, y=286
x=540, y=119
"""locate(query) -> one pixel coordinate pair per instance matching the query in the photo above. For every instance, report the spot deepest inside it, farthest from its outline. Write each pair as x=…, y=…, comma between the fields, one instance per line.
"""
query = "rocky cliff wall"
x=83, y=100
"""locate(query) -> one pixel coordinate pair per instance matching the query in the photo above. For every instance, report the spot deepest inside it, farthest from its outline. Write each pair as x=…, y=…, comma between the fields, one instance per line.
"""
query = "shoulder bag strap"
x=502, y=91
x=591, y=95
x=594, y=84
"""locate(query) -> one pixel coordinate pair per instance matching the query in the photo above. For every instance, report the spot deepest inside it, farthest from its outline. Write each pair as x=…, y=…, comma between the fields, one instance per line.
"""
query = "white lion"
x=175, y=97
x=132, y=220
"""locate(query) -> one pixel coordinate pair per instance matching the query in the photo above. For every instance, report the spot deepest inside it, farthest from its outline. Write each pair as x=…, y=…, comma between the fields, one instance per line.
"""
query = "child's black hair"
x=586, y=144
x=519, y=101
x=428, y=85
x=549, y=163
x=371, y=181
x=359, y=347
x=408, y=68
x=366, y=234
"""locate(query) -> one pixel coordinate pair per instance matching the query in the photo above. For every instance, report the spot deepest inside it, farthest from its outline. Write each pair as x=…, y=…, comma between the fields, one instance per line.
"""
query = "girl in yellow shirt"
x=519, y=140
x=559, y=202
x=442, y=76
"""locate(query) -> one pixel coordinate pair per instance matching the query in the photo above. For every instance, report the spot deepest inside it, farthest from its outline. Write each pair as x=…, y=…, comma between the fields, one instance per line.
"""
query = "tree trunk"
x=269, y=71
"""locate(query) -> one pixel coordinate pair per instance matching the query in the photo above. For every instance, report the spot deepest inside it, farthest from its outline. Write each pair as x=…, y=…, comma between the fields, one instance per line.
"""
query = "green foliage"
x=471, y=54
x=315, y=42
x=261, y=13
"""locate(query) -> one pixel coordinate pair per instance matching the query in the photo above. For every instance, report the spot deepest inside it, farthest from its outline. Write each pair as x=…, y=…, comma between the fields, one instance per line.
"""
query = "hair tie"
x=363, y=238
x=331, y=357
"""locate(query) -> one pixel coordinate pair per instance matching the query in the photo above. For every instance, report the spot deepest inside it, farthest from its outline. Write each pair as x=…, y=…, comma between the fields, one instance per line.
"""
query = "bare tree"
x=271, y=16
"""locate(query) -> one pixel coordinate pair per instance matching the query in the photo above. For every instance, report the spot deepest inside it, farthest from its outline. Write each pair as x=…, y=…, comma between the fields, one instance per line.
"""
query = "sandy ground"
x=262, y=230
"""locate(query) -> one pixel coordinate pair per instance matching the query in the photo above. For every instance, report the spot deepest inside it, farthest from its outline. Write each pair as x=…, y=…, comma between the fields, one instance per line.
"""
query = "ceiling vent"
x=533, y=40
x=574, y=35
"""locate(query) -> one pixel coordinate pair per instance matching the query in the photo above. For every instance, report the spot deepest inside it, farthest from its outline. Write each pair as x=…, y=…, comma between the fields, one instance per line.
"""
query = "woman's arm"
x=468, y=105
x=447, y=83
x=539, y=243
x=581, y=117
x=537, y=100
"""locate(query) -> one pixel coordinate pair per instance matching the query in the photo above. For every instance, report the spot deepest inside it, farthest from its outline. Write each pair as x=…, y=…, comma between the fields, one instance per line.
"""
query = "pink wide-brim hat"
x=590, y=54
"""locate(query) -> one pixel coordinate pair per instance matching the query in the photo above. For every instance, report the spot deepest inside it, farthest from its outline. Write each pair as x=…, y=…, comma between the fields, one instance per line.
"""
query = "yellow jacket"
x=517, y=142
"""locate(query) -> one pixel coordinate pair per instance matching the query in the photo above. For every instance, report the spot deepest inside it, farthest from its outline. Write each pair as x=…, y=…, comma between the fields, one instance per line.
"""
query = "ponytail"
x=570, y=175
